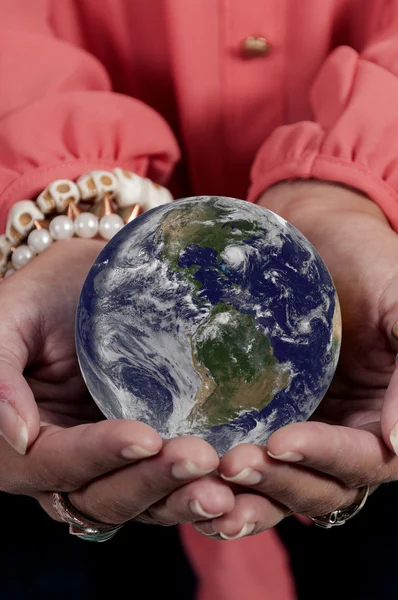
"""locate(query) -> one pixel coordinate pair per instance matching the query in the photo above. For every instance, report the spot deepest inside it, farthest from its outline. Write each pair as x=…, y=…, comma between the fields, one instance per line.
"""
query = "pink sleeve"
x=58, y=115
x=353, y=138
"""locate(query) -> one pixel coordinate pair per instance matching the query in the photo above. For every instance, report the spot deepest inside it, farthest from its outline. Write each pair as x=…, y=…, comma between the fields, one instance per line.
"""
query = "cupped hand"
x=316, y=467
x=57, y=438
x=361, y=252
x=40, y=380
x=115, y=471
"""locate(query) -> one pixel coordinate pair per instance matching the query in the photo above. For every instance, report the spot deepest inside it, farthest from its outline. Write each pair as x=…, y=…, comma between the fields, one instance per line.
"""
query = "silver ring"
x=341, y=516
x=79, y=525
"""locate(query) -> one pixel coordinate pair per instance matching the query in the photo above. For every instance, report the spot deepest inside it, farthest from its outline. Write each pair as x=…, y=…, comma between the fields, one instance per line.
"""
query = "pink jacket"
x=164, y=88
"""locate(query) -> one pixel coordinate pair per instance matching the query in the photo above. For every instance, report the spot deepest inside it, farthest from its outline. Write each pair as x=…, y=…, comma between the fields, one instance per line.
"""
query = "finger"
x=251, y=514
x=355, y=457
x=19, y=415
x=123, y=495
x=300, y=489
x=206, y=498
x=389, y=414
x=66, y=459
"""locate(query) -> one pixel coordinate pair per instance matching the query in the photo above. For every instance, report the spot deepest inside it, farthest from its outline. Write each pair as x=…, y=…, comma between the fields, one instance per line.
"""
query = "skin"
x=315, y=467
x=113, y=470
x=310, y=468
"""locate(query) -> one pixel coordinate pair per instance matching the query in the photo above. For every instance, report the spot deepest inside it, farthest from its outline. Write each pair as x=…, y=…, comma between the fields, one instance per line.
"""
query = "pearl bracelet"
x=97, y=205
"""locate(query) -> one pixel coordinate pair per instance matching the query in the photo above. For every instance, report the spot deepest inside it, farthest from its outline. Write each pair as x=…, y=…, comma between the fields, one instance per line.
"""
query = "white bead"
x=21, y=256
x=8, y=273
x=21, y=220
x=86, y=186
x=129, y=189
x=61, y=228
x=5, y=251
x=95, y=184
x=109, y=225
x=58, y=195
x=64, y=191
x=154, y=195
x=105, y=181
x=86, y=225
x=39, y=240
x=45, y=202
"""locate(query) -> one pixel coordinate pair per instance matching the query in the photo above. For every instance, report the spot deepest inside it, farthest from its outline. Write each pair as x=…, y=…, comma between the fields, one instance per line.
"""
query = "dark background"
x=40, y=560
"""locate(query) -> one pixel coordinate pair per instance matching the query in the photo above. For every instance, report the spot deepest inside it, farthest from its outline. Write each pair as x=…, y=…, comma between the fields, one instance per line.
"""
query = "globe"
x=209, y=316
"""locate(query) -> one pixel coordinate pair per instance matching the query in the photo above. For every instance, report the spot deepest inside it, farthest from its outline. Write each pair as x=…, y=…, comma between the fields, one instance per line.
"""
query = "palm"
x=58, y=386
x=47, y=330
x=365, y=279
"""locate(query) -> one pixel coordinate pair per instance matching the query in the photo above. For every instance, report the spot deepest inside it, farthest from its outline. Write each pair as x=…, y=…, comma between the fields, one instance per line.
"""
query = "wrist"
x=97, y=205
x=349, y=231
x=344, y=225
x=305, y=204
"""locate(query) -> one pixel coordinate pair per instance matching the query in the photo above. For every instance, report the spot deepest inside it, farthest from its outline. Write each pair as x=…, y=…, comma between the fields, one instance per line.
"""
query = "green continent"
x=233, y=358
x=203, y=225
x=237, y=366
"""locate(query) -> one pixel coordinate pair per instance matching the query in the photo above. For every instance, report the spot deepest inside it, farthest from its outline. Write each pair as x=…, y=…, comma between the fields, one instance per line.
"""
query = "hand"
x=315, y=467
x=105, y=469
x=44, y=405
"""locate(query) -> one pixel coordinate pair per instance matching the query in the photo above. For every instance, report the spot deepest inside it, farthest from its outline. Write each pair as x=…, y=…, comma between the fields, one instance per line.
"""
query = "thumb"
x=19, y=414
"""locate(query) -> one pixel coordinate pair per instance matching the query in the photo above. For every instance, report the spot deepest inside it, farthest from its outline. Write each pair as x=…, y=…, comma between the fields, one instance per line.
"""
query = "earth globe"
x=209, y=316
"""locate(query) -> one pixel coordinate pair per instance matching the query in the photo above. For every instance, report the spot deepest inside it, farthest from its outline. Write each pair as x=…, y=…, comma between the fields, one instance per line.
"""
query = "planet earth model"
x=209, y=316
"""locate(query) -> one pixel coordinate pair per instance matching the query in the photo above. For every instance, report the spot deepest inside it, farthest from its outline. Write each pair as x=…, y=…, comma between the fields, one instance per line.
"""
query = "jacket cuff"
x=310, y=164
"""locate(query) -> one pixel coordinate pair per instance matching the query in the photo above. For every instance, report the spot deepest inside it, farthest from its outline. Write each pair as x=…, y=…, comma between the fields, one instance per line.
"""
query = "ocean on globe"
x=209, y=316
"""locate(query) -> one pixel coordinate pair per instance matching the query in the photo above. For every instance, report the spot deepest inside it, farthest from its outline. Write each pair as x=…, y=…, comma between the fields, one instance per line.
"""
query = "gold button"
x=255, y=46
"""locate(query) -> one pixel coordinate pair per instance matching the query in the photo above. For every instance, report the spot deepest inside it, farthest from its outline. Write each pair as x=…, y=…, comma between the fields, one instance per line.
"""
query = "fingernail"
x=13, y=428
x=248, y=476
x=209, y=527
x=132, y=452
x=197, y=509
x=187, y=470
x=394, y=438
x=287, y=456
x=247, y=529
